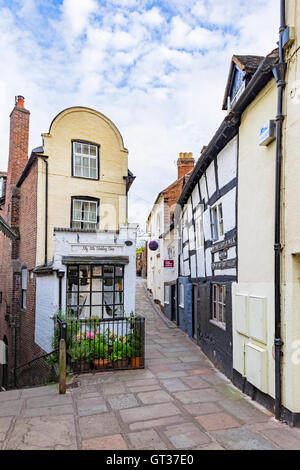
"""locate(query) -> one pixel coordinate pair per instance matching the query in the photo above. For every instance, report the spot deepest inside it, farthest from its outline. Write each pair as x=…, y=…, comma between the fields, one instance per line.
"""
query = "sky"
x=157, y=69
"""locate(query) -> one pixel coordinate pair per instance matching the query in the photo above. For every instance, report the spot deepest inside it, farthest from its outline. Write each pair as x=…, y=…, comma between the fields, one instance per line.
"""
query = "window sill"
x=86, y=178
x=222, y=326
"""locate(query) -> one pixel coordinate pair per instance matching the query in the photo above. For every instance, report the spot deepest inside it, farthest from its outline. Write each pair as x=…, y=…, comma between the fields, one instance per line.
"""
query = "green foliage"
x=82, y=351
x=121, y=351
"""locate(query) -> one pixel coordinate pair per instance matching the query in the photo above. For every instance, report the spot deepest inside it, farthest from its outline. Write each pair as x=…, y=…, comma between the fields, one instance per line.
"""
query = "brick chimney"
x=185, y=163
x=18, y=141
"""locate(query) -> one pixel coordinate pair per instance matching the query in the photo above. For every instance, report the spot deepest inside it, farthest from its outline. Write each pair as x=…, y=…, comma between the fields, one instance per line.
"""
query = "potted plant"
x=133, y=339
x=121, y=354
x=100, y=355
x=81, y=355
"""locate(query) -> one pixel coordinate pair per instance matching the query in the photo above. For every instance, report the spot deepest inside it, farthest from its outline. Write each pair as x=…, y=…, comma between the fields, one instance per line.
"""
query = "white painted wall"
x=76, y=244
x=227, y=163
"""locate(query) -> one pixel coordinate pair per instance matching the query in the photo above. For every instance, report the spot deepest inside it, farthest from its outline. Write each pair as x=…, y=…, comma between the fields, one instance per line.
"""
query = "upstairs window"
x=85, y=160
x=85, y=214
x=217, y=223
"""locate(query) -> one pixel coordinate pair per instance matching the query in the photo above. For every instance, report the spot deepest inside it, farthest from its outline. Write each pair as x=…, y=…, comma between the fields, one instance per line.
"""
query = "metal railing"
x=38, y=371
x=103, y=344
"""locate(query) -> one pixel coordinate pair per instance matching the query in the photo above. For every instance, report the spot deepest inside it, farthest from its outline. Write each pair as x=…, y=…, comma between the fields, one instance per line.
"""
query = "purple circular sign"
x=153, y=246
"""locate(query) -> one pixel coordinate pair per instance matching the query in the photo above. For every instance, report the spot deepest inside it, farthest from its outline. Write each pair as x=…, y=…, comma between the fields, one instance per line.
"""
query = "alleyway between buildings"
x=179, y=401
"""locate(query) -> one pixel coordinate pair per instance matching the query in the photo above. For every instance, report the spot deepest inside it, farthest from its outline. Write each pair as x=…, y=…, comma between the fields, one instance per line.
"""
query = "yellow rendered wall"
x=291, y=218
x=91, y=126
x=256, y=234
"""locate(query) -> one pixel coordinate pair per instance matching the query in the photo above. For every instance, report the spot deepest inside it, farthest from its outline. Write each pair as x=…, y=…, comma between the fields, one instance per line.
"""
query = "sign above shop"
x=96, y=248
x=224, y=245
x=227, y=264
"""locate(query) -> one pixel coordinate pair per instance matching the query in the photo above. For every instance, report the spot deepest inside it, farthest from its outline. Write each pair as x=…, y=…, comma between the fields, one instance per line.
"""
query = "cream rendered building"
x=254, y=295
x=85, y=254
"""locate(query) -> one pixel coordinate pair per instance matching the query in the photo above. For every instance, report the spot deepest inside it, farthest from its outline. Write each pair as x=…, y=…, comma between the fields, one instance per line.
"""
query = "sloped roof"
x=248, y=64
x=7, y=230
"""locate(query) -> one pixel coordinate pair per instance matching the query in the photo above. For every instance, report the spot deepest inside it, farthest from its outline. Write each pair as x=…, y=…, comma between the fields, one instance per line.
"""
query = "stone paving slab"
x=186, y=436
x=146, y=440
x=5, y=424
x=91, y=406
x=11, y=407
x=242, y=439
x=10, y=395
x=98, y=425
x=121, y=402
x=179, y=401
x=145, y=413
x=148, y=398
x=105, y=443
x=43, y=433
x=49, y=411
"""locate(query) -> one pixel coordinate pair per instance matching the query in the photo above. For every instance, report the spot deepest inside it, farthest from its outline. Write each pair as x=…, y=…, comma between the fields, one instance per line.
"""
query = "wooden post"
x=62, y=367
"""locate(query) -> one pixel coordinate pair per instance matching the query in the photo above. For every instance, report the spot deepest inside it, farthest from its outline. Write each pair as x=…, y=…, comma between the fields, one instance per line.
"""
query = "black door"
x=195, y=311
x=5, y=366
x=174, y=303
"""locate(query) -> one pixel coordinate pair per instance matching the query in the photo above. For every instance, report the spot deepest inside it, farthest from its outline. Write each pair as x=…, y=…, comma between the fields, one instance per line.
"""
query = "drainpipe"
x=280, y=72
x=46, y=210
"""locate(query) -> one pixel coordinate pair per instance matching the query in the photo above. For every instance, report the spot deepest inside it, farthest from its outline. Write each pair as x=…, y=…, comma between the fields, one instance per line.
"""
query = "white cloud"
x=77, y=14
x=158, y=72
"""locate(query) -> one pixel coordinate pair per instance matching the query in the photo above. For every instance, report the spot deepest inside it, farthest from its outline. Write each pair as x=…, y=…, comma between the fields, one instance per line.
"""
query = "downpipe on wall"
x=280, y=76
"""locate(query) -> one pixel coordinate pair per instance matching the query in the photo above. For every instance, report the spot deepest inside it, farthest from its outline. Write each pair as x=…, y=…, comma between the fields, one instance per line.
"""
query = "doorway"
x=5, y=365
x=173, y=303
x=195, y=311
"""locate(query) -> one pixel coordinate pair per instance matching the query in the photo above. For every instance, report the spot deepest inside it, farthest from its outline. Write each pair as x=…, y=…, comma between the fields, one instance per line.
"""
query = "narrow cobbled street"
x=179, y=401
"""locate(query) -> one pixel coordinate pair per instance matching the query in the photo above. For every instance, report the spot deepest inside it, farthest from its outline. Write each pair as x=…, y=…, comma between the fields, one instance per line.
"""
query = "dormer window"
x=238, y=81
x=85, y=160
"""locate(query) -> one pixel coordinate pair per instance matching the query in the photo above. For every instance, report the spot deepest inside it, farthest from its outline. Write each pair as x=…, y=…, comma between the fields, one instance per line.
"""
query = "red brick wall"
x=27, y=257
x=20, y=212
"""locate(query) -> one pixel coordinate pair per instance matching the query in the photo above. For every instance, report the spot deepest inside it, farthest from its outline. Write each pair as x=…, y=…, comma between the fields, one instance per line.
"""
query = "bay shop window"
x=95, y=291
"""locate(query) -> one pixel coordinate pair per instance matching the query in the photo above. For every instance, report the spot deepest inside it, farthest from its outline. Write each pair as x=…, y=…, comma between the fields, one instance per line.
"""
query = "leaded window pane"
x=96, y=295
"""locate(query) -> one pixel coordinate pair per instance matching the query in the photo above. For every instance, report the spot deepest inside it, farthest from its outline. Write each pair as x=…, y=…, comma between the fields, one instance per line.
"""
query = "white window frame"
x=24, y=288
x=219, y=305
x=181, y=295
x=199, y=233
x=82, y=221
x=217, y=222
x=167, y=295
x=89, y=157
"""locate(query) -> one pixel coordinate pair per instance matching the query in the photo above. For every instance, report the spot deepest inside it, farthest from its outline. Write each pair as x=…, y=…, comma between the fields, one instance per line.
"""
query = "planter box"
x=136, y=362
x=101, y=364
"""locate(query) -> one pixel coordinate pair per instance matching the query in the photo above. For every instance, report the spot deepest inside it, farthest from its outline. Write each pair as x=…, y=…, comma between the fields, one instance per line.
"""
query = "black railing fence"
x=38, y=371
x=103, y=344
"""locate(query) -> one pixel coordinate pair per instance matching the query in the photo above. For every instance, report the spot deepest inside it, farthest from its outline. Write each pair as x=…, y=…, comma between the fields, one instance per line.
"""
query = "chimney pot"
x=185, y=164
x=20, y=101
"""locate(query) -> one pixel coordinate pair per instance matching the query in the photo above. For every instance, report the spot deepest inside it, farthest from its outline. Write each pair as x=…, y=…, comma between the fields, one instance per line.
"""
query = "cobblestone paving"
x=179, y=401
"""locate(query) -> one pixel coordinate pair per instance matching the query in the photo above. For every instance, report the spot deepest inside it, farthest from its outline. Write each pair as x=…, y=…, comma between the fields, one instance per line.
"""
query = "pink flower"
x=98, y=332
x=90, y=335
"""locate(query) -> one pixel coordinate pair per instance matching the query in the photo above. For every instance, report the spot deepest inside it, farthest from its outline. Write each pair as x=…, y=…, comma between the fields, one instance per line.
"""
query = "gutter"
x=280, y=71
